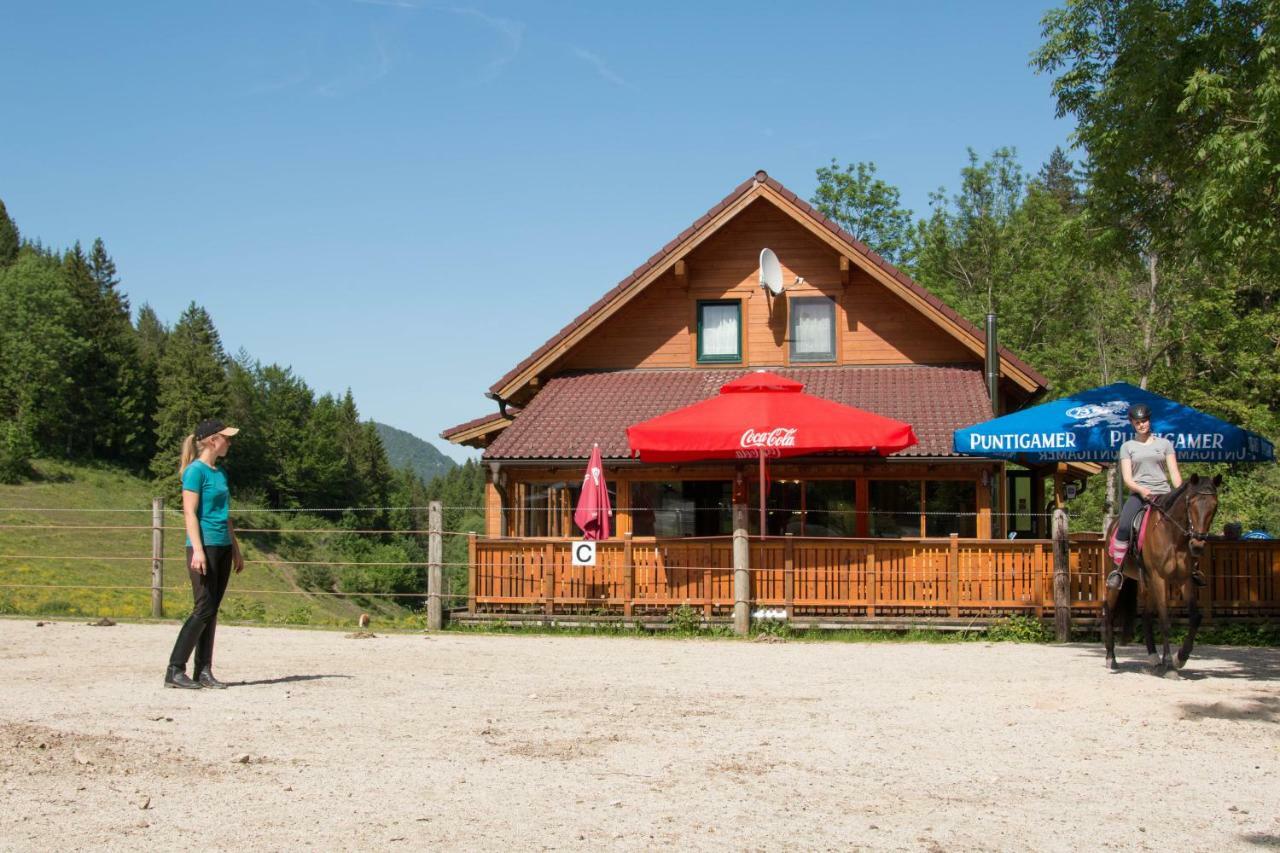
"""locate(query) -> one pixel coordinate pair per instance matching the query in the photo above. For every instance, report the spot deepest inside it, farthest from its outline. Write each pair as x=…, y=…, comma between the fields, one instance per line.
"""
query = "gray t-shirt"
x=1147, y=459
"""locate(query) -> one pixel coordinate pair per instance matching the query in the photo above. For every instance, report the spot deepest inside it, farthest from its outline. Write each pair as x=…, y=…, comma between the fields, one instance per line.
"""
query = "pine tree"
x=37, y=345
x=10, y=240
x=150, y=334
x=192, y=385
x=324, y=470
x=1058, y=177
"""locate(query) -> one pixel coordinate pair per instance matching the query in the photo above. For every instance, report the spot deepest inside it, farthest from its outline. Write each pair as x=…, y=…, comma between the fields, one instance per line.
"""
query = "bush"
x=685, y=620
x=300, y=615
x=16, y=449
x=1019, y=629
x=244, y=610
x=315, y=577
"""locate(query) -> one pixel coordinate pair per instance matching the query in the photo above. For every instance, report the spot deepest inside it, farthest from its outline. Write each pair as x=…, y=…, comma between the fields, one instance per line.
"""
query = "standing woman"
x=1147, y=464
x=212, y=550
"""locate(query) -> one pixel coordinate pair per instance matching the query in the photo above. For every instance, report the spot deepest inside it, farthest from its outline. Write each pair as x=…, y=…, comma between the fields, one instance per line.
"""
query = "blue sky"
x=406, y=198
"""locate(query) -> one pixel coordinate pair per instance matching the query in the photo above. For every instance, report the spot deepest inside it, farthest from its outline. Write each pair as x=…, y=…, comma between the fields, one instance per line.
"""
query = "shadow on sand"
x=284, y=679
x=1207, y=662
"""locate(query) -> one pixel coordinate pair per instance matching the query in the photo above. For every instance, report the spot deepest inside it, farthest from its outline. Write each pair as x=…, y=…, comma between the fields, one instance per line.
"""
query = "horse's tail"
x=1127, y=609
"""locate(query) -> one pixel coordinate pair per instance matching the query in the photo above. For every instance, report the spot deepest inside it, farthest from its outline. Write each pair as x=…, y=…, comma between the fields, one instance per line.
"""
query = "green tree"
x=150, y=334
x=36, y=346
x=963, y=245
x=284, y=405
x=865, y=206
x=192, y=385
x=10, y=240
x=1058, y=178
x=1178, y=107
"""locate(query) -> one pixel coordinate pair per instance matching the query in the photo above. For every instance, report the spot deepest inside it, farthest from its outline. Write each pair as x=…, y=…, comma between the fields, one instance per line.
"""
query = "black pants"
x=1130, y=509
x=208, y=588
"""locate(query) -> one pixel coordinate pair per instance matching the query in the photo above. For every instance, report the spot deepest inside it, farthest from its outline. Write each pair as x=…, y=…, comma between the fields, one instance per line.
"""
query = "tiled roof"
x=576, y=410
x=492, y=417
x=854, y=243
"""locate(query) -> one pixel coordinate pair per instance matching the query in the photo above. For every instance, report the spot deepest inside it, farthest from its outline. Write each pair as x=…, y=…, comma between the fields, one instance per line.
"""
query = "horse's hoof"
x=1171, y=673
x=1179, y=662
x=1110, y=664
x=1153, y=661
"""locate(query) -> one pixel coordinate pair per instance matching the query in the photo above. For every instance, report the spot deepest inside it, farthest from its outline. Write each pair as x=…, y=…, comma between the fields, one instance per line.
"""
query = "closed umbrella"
x=593, y=512
x=761, y=416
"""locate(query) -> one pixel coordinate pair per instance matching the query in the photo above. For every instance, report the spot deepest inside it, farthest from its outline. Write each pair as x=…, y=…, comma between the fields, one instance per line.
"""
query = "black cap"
x=213, y=426
x=1139, y=412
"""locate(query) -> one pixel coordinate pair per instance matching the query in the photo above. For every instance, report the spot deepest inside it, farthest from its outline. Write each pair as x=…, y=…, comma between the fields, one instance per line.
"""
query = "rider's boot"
x=1198, y=578
x=1115, y=579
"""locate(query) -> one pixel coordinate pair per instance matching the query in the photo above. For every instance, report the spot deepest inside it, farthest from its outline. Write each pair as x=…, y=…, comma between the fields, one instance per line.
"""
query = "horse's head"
x=1202, y=503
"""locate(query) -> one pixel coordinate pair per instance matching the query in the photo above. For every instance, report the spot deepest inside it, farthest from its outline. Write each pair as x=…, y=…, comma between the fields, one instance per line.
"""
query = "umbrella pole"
x=762, y=482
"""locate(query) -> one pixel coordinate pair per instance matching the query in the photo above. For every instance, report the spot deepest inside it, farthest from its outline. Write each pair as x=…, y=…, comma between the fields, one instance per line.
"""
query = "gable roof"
x=761, y=185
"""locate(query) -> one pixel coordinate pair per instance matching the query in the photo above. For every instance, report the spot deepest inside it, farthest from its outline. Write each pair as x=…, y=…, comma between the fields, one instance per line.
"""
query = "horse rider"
x=1147, y=464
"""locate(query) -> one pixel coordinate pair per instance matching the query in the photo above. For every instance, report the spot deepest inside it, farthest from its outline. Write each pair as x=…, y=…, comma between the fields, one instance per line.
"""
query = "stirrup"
x=1115, y=580
x=1198, y=578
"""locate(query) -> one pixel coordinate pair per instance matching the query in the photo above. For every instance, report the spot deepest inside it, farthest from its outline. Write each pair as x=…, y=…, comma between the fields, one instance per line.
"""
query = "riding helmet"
x=1139, y=412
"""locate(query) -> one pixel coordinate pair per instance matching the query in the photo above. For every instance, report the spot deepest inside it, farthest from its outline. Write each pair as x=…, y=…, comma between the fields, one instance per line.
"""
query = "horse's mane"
x=1203, y=486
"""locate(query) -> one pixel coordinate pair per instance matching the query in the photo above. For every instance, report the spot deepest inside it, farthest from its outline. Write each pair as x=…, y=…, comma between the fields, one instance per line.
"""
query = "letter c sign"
x=584, y=553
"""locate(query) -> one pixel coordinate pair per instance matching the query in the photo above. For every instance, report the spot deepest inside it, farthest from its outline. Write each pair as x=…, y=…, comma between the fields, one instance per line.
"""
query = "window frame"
x=823, y=358
x=719, y=359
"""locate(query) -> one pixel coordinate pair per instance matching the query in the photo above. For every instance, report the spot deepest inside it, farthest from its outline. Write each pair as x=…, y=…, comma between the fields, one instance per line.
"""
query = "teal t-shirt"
x=215, y=501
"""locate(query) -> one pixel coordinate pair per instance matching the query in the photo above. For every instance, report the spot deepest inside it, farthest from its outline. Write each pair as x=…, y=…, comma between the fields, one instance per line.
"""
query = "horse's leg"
x=1193, y=624
x=1148, y=623
x=1108, y=629
x=1160, y=591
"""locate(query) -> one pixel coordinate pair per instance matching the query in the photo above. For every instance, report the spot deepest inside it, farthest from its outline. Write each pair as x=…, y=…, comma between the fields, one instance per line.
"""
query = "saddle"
x=1137, y=536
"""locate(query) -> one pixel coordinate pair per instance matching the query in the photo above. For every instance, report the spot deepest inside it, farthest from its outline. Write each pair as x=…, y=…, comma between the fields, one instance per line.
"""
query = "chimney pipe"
x=993, y=365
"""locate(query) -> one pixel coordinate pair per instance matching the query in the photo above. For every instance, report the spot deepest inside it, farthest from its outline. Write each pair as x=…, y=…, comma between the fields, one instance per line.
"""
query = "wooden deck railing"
x=836, y=577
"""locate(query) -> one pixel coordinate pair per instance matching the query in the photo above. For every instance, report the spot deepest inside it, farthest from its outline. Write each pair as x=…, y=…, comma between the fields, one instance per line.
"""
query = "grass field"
x=49, y=571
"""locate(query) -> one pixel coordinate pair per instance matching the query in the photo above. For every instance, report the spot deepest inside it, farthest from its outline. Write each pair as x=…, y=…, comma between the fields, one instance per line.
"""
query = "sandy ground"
x=486, y=742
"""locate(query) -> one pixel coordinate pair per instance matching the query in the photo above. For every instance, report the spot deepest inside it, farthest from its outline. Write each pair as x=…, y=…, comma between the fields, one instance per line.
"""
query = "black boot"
x=206, y=679
x=1115, y=580
x=1198, y=578
x=176, y=676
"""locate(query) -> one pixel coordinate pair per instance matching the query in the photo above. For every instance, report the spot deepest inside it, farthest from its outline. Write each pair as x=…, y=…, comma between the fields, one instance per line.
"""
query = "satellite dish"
x=770, y=272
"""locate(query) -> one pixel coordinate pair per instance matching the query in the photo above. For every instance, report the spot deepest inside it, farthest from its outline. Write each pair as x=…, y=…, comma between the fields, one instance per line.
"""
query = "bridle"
x=1189, y=531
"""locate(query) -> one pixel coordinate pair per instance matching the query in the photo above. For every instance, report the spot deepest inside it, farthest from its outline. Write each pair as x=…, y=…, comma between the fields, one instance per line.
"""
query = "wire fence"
x=324, y=572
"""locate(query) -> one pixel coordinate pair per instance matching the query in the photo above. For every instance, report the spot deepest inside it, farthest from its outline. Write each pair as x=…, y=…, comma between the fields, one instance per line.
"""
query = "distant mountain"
x=406, y=450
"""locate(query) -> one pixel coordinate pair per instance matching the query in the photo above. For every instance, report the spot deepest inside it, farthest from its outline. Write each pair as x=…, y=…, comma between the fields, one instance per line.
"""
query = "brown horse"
x=1176, y=533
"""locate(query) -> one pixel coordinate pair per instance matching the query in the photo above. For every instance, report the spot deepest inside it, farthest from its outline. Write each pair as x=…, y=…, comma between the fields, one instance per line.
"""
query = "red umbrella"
x=763, y=415
x=594, y=510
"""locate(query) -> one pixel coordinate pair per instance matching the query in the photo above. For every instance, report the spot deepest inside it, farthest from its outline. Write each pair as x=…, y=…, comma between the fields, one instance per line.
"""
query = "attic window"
x=720, y=331
x=813, y=329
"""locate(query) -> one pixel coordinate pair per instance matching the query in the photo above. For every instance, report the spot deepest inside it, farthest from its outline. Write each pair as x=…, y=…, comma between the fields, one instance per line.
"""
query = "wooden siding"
x=659, y=328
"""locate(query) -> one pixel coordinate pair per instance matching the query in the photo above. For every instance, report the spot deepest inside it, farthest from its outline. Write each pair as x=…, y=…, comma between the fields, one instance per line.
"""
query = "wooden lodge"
x=924, y=531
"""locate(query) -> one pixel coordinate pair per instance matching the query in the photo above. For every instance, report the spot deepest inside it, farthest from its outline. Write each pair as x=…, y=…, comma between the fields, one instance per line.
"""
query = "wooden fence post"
x=741, y=572
x=871, y=580
x=549, y=578
x=1037, y=581
x=157, y=558
x=954, y=561
x=708, y=600
x=473, y=572
x=435, y=576
x=789, y=575
x=1061, y=577
x=628, y=575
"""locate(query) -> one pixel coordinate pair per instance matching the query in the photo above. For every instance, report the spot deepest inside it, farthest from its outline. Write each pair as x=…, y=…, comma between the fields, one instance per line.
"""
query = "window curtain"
x=813, y=328
x=720, y=330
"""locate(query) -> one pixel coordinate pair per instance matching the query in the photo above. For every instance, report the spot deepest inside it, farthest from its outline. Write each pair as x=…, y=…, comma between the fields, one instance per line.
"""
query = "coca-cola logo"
x=777, y=437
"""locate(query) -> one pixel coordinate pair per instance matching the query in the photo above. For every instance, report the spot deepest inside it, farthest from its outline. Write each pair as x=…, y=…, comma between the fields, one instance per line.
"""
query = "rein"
x=1187, y=531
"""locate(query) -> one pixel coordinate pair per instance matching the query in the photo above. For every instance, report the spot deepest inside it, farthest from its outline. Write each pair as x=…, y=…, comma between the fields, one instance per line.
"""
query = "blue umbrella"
x=1091, y=426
